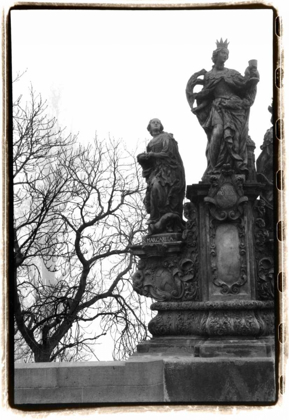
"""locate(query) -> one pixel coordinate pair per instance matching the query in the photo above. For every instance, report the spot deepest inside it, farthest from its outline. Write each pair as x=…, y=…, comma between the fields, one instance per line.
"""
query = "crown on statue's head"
x=222, y=44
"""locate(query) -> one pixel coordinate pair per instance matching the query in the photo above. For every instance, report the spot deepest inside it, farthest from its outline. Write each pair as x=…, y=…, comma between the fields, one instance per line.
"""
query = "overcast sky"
x=112, y=71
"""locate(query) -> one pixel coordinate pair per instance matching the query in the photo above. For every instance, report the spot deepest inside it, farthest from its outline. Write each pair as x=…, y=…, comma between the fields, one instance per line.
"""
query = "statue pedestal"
x=224, y=379
x=214, y=286
x=208, y=347
x=212, y=329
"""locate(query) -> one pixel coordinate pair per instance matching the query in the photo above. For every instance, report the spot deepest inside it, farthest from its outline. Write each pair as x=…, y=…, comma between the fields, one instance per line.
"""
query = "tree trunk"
x=42, y=355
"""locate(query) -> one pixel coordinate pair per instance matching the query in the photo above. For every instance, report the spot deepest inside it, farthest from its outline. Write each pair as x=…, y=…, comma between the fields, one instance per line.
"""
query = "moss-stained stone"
x=216, y=380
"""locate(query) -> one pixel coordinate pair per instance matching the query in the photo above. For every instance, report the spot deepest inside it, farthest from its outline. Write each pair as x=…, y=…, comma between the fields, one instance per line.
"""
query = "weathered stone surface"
x=104, y=382
x=104, y=374
x=251, y=160
x=213, y=319
x=264, y=252
x=171, y=377
x=49, y=396
x=246, y=347
x=227, y=249
x=215, y=380
x=165, y=278
x=140, y=372
x=207, y=347
x=124, y=394
x=35, y=374
x=173, y=345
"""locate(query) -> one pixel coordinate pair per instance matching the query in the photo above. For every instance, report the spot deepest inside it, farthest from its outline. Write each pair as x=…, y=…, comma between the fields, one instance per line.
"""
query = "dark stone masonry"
x=212, y=276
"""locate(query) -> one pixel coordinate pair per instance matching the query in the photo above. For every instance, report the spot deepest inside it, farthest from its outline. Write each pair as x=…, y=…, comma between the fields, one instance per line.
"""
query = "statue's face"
x=222, y=56
x=155, y=126
x=155, y=123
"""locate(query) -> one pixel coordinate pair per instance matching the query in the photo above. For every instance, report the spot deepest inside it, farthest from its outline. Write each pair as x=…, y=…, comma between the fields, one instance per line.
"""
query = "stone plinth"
x=212, y=329
x=139, y=380
x=217, y=278
x=220, y=380
x=147, y=378
x=213, y=319
x=208, y=347
x=214, y=286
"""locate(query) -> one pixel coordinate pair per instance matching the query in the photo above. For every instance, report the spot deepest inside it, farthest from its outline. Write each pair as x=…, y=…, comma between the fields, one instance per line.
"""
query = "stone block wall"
x=91, y=382
x=148, y=379
x=221, y=380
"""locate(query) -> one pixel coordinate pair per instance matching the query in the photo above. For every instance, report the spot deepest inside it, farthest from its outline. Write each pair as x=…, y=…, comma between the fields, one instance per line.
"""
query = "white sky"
x=112, y=71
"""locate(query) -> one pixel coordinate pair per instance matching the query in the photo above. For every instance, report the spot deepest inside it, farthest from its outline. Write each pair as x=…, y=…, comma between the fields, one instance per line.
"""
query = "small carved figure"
x=265, y=161
x=223, y=107
x=165, y=176
x=265, y=172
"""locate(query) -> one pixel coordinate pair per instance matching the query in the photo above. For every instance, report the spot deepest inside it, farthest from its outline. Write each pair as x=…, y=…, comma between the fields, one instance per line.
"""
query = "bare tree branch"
x=77, y=210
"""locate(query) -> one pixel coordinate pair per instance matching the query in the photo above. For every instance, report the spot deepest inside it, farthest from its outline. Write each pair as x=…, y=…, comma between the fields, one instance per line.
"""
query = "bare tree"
x=76, y=212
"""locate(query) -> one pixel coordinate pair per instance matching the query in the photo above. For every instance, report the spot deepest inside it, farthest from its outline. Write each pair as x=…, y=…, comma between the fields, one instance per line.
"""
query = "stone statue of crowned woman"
x=223, y=107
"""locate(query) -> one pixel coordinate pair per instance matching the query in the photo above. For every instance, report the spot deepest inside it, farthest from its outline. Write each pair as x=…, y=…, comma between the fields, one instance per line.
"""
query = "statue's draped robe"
x=165, y=177
x=225, y=100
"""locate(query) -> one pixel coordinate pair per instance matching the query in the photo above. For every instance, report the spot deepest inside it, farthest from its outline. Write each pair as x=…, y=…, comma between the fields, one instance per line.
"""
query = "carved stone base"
x=166, y=269
x=241, y=347
x=220, y=380
x=234, y=318
x=207, y=347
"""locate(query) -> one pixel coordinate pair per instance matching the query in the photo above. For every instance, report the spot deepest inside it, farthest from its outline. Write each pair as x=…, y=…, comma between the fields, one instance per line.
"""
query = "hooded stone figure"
x=165, y=176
